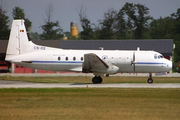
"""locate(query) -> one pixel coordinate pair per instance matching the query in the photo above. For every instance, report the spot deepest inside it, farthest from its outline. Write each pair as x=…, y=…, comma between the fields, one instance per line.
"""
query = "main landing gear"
x=150, y=80
x=97, y=79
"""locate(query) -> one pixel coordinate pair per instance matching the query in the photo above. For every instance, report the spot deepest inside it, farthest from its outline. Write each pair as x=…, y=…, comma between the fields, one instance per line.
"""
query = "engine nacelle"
x=122, y=62
x=112, y=69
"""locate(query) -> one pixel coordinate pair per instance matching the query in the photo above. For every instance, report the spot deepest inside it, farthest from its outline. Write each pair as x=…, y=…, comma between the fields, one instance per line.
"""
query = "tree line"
x=132, y=21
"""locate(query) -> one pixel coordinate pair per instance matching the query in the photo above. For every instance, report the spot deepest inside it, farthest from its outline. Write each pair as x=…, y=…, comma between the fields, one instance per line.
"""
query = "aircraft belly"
x=148, y=69
x=142, y=69
x=33, y=65
x=53, y=67
x=126, y=69
x=66, y=67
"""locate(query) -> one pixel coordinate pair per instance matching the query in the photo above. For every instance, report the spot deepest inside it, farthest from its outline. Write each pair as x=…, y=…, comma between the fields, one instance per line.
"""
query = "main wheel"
x=100, y=79
x=96, y=80
x=150, y=80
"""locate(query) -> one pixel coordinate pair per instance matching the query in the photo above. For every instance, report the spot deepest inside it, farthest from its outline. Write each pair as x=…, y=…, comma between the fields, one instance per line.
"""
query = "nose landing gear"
x=150, y=80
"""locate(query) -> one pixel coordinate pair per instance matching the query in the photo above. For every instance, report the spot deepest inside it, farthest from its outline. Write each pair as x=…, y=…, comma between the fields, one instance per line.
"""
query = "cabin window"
x=81, y=58
x=59, y=58
x=74, y=58
x=66, y=58
x=155, y=56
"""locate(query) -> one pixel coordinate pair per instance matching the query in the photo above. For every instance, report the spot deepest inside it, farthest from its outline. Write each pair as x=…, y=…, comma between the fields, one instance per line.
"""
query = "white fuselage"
x=72, y=60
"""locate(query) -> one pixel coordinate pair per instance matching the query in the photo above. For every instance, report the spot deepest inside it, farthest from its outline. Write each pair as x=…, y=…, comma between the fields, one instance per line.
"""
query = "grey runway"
x=17, y=84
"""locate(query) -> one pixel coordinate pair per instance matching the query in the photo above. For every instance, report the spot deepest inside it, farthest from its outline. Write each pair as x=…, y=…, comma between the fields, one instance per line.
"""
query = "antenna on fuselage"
x=101, y=48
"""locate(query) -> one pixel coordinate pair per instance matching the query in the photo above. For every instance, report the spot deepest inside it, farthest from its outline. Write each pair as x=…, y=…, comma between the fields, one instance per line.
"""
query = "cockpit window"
x=161, y=56
x=158, y=56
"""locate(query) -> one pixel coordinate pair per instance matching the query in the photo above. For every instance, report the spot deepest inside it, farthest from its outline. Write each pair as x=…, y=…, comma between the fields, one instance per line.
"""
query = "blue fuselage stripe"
x=56, y=61
x=150, y=63
x=141, y=63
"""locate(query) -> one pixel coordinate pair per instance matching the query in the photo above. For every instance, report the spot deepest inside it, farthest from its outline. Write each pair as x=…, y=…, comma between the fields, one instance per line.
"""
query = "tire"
x=97, y=80
x=150, y=80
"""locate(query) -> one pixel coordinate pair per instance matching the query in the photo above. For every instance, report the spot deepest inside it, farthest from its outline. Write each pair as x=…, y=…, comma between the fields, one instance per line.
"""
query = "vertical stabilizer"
x=18, y=40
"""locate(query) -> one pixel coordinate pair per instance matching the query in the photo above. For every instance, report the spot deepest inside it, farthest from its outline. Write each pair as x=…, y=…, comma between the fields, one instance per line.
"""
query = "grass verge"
x=90, y=103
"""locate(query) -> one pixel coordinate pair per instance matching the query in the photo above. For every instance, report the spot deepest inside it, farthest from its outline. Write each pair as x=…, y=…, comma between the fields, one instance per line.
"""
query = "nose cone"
x=169, y=65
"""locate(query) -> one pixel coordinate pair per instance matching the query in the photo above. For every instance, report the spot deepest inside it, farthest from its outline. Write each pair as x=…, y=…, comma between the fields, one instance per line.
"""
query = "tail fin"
x=18, y=40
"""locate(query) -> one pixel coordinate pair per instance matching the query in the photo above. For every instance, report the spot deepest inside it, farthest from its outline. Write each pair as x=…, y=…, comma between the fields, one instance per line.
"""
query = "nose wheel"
x=97, y=79
x=150, y=80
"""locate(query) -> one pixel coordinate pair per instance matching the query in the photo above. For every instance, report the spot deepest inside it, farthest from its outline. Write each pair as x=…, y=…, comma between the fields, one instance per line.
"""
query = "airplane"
x=24, y=52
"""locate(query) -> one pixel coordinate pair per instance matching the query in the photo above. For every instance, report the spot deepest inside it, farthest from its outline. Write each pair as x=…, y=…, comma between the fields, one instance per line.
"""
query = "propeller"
x=133, y=62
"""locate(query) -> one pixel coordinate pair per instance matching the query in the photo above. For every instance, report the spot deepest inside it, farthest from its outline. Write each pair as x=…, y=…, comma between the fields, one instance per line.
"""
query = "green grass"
x=89, y=104
x=86, y=79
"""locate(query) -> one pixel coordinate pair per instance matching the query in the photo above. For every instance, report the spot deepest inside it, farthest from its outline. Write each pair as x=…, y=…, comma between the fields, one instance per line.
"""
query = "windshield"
x=158, y=56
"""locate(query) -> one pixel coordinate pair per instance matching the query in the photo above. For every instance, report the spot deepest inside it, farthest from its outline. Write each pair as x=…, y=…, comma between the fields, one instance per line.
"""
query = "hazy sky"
x=65, y=11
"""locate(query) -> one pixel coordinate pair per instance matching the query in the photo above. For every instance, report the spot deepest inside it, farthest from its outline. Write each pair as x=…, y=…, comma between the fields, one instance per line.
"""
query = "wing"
x=92, y=63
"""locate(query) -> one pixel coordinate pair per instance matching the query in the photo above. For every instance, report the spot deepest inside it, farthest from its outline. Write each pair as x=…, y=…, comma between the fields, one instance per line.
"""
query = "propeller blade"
x=134, y=61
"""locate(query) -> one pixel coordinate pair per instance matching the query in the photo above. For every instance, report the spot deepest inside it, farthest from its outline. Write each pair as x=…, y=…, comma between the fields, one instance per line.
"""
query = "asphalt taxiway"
x=17, y=84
